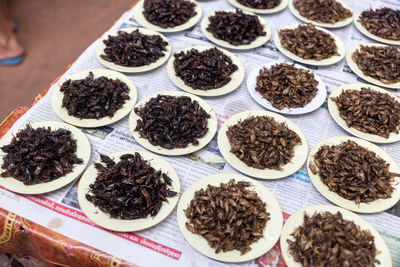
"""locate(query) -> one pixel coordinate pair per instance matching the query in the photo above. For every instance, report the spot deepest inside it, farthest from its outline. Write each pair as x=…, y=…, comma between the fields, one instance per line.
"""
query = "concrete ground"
x=54, y=33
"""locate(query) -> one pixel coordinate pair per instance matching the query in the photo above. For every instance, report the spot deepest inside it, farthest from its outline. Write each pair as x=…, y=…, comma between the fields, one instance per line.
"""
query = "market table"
x=51, y=230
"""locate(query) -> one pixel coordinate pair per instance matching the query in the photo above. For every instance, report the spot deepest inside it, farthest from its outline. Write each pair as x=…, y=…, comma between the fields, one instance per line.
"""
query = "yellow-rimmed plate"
x=58, y=96
x=354, y=67
x=334, y=111
x=100, y=46
x=370, y=207
x=297, y=219
x=259, y=41
x=300, y=151
x=116, y=224
x=141, y=19
x=83, y=150
x=364, y=31
x=271, y=232
x=282, y=5
x=203, y=141
x=341, y=49
x=338, y=24
x=236, y=77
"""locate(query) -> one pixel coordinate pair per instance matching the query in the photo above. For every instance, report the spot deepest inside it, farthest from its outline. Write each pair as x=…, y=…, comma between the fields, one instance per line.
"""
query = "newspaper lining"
x=293, y=192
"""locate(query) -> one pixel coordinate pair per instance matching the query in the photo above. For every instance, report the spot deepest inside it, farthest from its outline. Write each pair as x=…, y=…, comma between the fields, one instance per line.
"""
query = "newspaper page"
x=164, y=244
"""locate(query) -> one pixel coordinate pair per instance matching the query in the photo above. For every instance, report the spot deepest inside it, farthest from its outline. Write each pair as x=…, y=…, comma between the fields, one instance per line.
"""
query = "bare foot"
x=13, y=49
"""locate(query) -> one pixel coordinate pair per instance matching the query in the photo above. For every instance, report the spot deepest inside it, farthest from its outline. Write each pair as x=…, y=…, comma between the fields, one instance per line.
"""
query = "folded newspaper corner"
x=164, y=243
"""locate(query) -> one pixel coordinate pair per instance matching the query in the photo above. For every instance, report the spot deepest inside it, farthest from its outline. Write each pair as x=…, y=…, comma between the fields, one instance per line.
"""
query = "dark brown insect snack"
x=261, y=142
x=129, y=189
x=308, y=42
x=323, y=11
x=229, y=216
x=381, y=63
x=168, y=13
x=369, y=111
x=236, y=28
x=353, y=172
x=91, y=98
x=286, y=86
x=327, y=239
x=39, y=155
x=384, y=22
x=172, y=121
x=209, y=69
x=134, y=49
x=260, y=4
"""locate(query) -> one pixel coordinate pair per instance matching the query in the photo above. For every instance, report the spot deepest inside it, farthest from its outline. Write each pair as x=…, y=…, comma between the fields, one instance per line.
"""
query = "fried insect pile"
x=168, y=13
x=383, y=22
x=260, y=4
x=323, y=11
x=308, y=42
x=91, y=98
x=236, y=28
x=381, y=63
x=229, y=216
x=369, y=111
x=39, y=155
x=209, y=69
x=129, y=189
x=134, y=49
x=172, y=121
x=286, y=86
x=263, y=143
x=353, y=172
x=327, y=239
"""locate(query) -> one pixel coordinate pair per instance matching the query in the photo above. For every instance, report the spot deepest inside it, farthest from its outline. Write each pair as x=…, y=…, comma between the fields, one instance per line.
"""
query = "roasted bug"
x=308, y=42
x=168, y=13
x=260, y=4
x=91, y=98
x=229, y=216
x=172, y=121
x=383, y=22
x=262, y=143
x=236, y=28
x=381, y=63
x=130, y=188
x=209, y=69
x=323, y=11
x=286, y=86
x=39, y=155
x=134, y=49
x=353, y=172
x=369, y=111
x=327, y=239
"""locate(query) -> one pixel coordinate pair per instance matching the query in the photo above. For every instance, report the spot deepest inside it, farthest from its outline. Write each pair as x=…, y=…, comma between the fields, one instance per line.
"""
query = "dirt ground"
x=54, y=33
